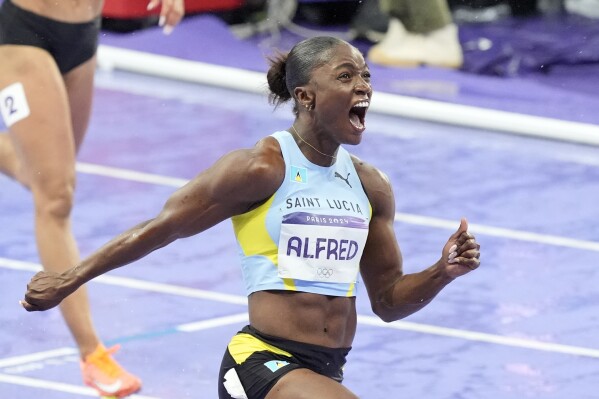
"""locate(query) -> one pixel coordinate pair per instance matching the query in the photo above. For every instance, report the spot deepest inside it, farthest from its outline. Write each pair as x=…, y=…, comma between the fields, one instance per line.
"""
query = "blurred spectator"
x=369, y=22
x=420, y=32
x=481, y=11
x=490, y=10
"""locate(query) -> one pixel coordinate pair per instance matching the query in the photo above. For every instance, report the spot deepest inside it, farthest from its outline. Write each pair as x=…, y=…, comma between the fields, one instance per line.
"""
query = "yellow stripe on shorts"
x=244, y=345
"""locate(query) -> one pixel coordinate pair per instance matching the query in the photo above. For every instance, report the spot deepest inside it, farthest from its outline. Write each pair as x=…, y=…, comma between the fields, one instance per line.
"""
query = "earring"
x=309, y=107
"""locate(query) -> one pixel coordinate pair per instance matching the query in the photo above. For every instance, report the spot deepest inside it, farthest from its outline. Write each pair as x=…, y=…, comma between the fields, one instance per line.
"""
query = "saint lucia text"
x=315, y=202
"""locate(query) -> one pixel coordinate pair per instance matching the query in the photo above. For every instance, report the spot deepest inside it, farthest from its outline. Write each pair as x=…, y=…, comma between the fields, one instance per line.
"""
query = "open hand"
x=171, y=13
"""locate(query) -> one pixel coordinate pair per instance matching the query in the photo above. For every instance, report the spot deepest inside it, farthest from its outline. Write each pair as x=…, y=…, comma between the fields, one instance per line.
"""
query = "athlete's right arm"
x=235, y=184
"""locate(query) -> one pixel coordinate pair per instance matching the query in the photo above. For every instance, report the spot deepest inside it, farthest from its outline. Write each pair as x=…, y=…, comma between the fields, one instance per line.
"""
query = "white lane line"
x=452, y=225
x=56, y=386
x=125, y=174
x=481, y=337
x=74, y=389
x=61, y=352
x=36, y=357
x=138, y=284
x=131, y=175
x=368, y=320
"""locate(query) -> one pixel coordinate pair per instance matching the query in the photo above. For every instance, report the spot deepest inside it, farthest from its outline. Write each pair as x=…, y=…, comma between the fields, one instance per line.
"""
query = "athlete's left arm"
x=393, y=294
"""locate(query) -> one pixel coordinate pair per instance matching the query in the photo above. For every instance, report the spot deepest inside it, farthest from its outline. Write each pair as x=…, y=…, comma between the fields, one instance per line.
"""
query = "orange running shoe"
x=104, y=374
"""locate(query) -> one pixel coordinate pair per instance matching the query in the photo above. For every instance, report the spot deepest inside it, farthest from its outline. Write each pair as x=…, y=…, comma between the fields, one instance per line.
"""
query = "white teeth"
x=362, y=104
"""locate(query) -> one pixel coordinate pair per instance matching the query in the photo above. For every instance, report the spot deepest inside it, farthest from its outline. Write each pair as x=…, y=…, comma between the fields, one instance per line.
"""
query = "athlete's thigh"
x=306, y=384
x=79, y=83
x=42, y=132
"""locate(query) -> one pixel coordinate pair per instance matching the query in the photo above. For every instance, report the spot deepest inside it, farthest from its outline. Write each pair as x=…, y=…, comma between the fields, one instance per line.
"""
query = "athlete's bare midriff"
x=299, y=316
x=73, y=11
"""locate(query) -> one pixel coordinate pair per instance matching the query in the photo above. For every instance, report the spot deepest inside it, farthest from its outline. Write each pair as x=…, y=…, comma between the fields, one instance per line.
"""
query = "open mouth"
x=357, y=113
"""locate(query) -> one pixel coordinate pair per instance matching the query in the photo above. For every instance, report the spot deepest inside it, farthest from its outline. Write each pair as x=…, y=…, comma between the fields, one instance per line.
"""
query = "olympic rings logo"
x=324, y=272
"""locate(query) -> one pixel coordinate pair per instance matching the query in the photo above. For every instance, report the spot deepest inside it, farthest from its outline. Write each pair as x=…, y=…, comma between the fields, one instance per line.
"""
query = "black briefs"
x=254, y=362
x=70, y=44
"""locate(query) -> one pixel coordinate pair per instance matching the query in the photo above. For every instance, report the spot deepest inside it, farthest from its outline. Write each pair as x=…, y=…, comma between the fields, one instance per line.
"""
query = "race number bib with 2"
x=13, y=104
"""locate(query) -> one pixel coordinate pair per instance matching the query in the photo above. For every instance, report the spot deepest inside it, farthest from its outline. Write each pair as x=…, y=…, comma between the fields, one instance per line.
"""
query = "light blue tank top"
x=309, y=236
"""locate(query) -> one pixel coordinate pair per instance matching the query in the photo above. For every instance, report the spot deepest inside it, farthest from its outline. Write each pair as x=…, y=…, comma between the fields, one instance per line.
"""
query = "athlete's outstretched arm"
x=234, y=184
x=393, y=294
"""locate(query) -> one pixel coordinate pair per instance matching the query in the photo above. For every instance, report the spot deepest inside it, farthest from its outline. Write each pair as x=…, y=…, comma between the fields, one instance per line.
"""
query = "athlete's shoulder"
x=268, y=150
x=369, y=173
x=377, y=187
x=265, y=160
x=268, y=144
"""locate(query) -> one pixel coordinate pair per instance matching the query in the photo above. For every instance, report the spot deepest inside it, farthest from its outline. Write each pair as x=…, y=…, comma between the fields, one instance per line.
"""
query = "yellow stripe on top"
x=253, y=238
x=251, y=233
x=244, y=345
x=350, y=291
x=289, y=284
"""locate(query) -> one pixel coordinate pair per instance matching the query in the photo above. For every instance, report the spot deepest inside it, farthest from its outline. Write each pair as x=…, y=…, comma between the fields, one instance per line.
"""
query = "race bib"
x=321, y=247
x=13, y=104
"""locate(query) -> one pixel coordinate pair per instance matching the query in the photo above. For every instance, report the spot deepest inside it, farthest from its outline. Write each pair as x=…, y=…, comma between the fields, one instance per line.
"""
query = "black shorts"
x=69, y=44
x=257, y=361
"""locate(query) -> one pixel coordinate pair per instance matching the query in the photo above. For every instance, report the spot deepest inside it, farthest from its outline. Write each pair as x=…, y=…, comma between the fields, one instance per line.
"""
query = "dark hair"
x=290, y=70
